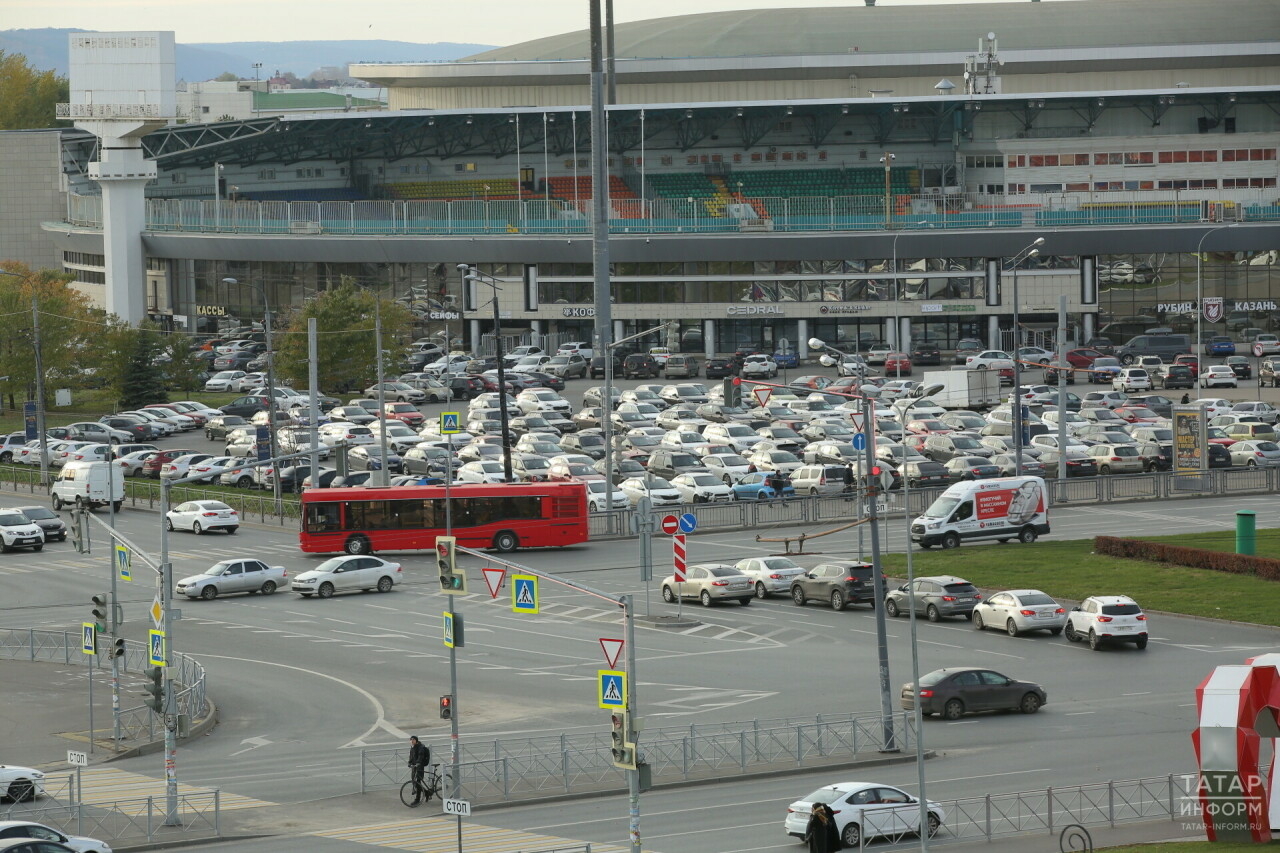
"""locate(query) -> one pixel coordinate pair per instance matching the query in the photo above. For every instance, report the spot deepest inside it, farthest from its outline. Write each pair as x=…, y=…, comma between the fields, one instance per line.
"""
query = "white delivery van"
x=86, y=484
x=1002, y=508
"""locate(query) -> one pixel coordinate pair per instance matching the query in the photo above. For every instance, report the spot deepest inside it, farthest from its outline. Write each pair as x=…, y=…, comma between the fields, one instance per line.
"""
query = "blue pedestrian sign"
x=859, y=441
x=688, y=523
x=89, y=638
x=448, y=629
x=524, y=593
x=450, y=423
x=612, y=689
x=124, y=563
x=155, y=649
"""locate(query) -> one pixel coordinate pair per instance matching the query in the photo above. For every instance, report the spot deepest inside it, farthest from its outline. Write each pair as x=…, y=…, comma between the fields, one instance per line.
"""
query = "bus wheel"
x=505, y=542
x=358, y=545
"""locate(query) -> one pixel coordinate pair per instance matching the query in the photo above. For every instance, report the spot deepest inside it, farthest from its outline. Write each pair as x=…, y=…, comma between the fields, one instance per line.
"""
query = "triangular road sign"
x=762, y=395
x=859, y=422
x=493, y=579
x=612, y=648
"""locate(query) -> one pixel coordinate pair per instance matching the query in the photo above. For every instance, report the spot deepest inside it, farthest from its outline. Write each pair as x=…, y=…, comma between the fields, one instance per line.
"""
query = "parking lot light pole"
x=1029, y=251
x=473, y=274
x=897, y=295
x=882, y=634
x=1199, y=347
x=271, y=382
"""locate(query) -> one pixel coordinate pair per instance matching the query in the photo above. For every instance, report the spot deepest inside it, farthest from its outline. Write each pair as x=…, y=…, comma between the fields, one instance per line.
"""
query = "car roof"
x=1112, y=599
x=944, y=579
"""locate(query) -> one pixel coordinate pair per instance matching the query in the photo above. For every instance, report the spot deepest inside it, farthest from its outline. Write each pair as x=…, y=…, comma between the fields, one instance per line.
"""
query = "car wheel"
x=209, y=593
x=837, y=600
x=57, y=504
x=505, y=542
x=1251, y=464
x=231, y=531
x=797, y=595
x=761, y=592
x=1141, y=643
x=1072, y=636
x=745, y=601
x=668, y=595
x=245, y=482
x=1105, y=469
x=931, y=613
x=22, y=790
x=953, y=710
x=851, y=837
x=891, y=608
x=1011, y=628
x=1027, y=535
x=168, y=524
x=951, y=540
x=325, y=590
x=978, y=624
x=268, y=588
x=384, y=584
x=196, y=528
x=705, y=598
x=934, y=824
x=1030, y=704
x=982, y=367
x=1095, y=642
x=39, y=547
x=358, y=545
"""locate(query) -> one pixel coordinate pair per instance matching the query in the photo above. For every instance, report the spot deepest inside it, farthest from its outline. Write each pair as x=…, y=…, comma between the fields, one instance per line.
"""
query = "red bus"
x=502, y=516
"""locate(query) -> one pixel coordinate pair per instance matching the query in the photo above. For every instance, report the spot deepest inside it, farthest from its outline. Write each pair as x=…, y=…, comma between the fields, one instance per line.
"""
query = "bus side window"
x=323, y=517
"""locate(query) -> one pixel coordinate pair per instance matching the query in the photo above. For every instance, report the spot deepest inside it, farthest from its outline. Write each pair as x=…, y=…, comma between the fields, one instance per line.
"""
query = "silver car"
x=1255, y=454
x=1019, y=611
x=709, y=583
x=770, y=575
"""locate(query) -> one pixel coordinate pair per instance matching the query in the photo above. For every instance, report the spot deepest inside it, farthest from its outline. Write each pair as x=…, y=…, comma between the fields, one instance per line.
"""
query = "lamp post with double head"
x=473, y=274
x=271, y=383
x=1029, y=251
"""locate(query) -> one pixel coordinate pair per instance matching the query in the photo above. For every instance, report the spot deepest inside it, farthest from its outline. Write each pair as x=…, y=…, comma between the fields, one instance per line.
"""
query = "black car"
x=1157, y=403
x=840, y=583
x=546, y=380
x=47, y=520
x=465, y=387
x=219, y=425
x=141, y=430
x=1240, y=366
x=1103, y=345
x=957, y=691
x=966, y=347
x=1156, y=457
x=238, y=360
x=1079, y=463
x=971, y=468
x=641, y=366
x=1219, y=456
x=597, y=367
x=246, y=406
x=719, y=368
x=925, y=353
x=291, y=478
x=1176, y=376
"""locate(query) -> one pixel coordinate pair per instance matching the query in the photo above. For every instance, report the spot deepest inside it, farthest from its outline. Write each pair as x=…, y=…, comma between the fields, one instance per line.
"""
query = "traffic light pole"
x=115, y=607
x=877, y=574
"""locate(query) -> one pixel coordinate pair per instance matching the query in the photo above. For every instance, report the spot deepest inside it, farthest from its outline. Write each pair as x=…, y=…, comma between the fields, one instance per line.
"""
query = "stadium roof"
x=858, y=28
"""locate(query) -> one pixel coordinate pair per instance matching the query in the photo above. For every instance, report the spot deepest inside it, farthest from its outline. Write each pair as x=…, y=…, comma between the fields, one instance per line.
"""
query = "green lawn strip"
x=1070, y=570
x=1267, y=541
x=91, y=405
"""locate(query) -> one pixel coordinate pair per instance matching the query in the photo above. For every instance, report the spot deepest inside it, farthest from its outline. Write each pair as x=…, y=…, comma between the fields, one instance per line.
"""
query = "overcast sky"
x=498, y=22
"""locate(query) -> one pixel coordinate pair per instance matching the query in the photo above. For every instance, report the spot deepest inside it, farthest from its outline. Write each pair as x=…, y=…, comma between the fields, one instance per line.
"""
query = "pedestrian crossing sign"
x=450, y=423
x=448, y=629
x=156, y=655
x=524, y=593
x=89, y=638
x=124, y=563
x=613, y=689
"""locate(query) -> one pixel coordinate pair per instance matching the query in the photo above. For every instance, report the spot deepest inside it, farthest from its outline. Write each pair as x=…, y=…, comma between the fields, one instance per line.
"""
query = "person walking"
x=419, y=758
x=821, y=832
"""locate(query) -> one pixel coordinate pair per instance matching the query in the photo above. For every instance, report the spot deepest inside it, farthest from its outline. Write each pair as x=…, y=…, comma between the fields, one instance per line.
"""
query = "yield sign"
x=762, y=395
x=859, y=422
x=493, y=579
x=612, y=648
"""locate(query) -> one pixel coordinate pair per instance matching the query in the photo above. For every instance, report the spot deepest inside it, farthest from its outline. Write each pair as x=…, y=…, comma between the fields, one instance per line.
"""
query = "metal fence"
x=508, y=769
x=137, y=724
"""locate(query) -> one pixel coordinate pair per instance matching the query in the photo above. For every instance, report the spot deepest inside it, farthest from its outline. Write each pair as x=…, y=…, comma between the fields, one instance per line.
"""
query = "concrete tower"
x=123, y=86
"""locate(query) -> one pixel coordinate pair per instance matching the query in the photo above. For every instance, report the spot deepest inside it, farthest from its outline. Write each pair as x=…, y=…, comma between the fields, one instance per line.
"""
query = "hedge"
x=1160, y=552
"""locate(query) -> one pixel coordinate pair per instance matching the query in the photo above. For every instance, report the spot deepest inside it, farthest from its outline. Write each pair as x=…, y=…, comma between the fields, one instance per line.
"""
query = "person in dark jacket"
x=821, y=832
x=419, y=758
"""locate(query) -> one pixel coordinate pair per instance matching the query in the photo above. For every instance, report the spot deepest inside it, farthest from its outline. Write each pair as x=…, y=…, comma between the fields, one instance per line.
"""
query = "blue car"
x=755, y=487
x=787, y=358
x=1222, y=345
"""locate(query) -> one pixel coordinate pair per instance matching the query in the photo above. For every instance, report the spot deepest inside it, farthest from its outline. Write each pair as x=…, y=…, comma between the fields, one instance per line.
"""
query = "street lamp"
x=1200, y=296
x=887, y=160
x=1029, y=251
x=882, y=638
x=271, y=384
x=473, y=274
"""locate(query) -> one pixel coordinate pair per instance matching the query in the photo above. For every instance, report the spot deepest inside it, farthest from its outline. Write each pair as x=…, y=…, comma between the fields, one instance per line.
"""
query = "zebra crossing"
x=108, y=786
x=434, y=834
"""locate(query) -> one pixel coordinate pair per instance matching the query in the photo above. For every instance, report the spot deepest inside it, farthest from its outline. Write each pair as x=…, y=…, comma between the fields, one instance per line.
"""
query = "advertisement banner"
x=29, y=419
x=1190, y=439
x=1019, y=504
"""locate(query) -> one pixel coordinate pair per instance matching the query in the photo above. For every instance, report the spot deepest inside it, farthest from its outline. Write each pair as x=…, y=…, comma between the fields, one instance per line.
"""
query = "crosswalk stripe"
x=431, y=834
x=106, y=785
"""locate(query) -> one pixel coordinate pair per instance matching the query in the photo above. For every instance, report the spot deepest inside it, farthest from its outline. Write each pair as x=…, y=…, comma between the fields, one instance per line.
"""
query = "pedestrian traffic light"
x=155, y=689
x=446, y=707
x=117, y=648
x=624, y=752
x=100, y=611
x=732, y=391
x=452, y=579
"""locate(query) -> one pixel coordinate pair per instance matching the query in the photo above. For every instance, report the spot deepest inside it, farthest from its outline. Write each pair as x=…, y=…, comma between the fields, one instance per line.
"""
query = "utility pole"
x=603, y=296
x=877, y=575
x=632, y=717
x=115, y=606
x=40, y=425
x=384, y=475
x=313, y=372
x=171, y=817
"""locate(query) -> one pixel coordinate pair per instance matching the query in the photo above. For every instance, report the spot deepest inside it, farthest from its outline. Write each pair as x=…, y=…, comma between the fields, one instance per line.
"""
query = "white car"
x=13, y=829
x=782, y=461
x=1218, y=376
x=1268, y=344
x=212, y=468
x=684, y=439
x=738, y=436
x=226, y=380
x=199, y=516
x=1263, y=411
x=480, y=472
x=1137, y=379
x=1103, y=619
x=851, y=364
x=21, y=783
x=178, y=468
x=131, y=463
x=536, y=400
x=1213, y=406
x=18, y=531
x=1036, y=355
x=348, y=572
x=729, y=467
x=234, y=575
x=992, y=359
x=877, y=353
x=701, y=487
x=770, y=575
x=759, y=365
x=864, y=810
x=575, y=348
x=1020, y=610
x=656, y=489
x=602, y=497
x=343, y=431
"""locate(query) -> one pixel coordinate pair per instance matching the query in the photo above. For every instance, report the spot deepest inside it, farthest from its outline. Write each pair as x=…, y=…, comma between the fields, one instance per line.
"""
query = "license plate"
x=1124, y=627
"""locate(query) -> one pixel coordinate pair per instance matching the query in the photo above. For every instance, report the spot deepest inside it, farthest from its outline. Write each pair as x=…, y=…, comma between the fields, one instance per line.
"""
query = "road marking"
x=1079, y=713
x=1143, y=693
x=962, y=723
x=107, y=785
x=935, y=643
x=993, y=775
x=440, y=833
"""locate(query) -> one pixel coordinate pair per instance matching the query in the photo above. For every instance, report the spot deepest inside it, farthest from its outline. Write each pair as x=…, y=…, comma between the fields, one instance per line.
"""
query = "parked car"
x=1018, y=611
x=1218, y=376
x=709, y=584
x=839, y=583
x=934, y=597
x=770, y=575
x=956, y=691
x=719, y=368
x=1107, y=619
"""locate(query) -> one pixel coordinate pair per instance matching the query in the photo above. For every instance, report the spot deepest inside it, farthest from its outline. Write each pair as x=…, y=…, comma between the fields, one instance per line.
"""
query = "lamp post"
x=271, y=382
x=217, y=196
x=887, y=160
x=1199, y=349
x=473, y=274
x=882, y=638
x=1029, y=251
x=897, y=296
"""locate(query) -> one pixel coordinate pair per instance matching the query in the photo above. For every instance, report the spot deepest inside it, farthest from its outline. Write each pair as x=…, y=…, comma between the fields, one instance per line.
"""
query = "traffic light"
x=100, y=611
x=79, y=532
x=452, y=579
x=732, y=391
x=155, y=689
x=117, y=648
x=624, y=752
x=446, y=707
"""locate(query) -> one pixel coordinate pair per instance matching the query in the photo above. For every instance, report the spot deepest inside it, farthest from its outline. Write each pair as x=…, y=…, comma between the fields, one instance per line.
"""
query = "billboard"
x=1190, y=439
x=1017, y=505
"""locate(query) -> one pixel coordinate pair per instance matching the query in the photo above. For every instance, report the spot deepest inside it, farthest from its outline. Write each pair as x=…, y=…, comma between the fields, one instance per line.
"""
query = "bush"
x=1178, y=555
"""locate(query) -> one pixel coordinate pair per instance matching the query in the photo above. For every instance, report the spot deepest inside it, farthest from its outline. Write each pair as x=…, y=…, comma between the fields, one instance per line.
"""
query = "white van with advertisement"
x=1003, y=508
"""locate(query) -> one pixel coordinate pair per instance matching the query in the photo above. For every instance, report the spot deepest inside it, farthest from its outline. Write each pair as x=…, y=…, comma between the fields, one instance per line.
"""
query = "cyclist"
x=419, y=758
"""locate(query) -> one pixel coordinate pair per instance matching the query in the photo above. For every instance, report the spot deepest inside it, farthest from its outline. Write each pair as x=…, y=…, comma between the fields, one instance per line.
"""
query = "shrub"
x=1179, y=555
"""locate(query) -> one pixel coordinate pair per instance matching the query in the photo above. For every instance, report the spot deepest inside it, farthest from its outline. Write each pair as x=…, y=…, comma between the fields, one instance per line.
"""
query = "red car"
x=928, y=426
x=1082, y=357
x=151, y=468
x=1137, y=414
x=406, y=413
x=897, y=364
x=1190, y=361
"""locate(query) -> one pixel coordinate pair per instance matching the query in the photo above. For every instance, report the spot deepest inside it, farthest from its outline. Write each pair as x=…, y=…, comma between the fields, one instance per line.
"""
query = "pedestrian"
x=1186, y=399
x=848, y=479
x=419, y=758
x=821, y=834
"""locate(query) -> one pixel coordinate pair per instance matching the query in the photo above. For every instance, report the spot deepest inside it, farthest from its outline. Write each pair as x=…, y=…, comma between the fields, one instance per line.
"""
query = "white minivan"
x=86, y=484
x=1002, y=508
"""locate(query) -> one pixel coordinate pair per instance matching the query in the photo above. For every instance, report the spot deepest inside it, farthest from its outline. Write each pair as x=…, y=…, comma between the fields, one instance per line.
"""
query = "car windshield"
x=965, y=443
x=942, y=507
x=1121, y=609
x=535, y=464
x=39, y=512
x=705, y=480
x=218, y=568
x=9, y=519
x=782, y=456
x=732, y=460
x=331, y=564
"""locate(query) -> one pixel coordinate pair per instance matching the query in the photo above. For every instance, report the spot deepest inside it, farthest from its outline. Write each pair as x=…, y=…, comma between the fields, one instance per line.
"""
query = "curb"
x=186, y=842
x=203, y=726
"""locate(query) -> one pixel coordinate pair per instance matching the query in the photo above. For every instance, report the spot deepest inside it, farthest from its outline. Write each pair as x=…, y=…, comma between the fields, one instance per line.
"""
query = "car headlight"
x=933, y=525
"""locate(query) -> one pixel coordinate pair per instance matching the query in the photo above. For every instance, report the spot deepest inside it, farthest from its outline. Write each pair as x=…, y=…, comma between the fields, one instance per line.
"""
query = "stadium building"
x=856, y=174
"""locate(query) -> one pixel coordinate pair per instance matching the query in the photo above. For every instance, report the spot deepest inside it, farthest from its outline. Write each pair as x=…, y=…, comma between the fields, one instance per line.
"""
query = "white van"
x=85, y=484
x=1003, y=508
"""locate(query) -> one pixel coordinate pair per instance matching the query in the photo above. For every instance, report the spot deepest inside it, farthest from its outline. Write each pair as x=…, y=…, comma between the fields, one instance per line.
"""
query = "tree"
x=184, y=373
x=28, y=96
x=226, y=77
x=66, y=323
x=143, y=380
x=345, y=326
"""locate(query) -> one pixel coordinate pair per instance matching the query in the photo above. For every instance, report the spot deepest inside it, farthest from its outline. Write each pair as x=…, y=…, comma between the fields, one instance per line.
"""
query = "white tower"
x=123, y=86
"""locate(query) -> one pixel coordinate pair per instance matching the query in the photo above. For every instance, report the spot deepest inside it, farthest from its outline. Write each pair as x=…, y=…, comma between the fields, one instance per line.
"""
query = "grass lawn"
x=1071, y=570
x=1190, y=847
x=91, y=405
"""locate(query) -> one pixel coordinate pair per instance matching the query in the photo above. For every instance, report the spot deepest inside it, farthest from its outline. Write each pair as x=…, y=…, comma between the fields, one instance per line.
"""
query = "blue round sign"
x=859, y=441
x=688, y=522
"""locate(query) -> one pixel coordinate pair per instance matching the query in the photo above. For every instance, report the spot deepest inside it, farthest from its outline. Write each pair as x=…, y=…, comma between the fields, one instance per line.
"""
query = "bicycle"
x=429, y=787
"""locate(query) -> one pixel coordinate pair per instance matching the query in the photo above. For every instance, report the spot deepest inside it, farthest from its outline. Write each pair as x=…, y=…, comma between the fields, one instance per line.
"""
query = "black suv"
x=1176, y=376
x=839, y=583
x=640, y=366
x=596, y=369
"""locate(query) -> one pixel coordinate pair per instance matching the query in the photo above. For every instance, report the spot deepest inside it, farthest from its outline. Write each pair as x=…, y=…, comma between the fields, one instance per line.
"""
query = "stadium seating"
x=490, y=189
x=325, y=194
x=577, y=192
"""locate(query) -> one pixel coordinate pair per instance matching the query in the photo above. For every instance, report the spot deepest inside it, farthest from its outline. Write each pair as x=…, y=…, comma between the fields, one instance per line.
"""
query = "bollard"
x=1246, y=532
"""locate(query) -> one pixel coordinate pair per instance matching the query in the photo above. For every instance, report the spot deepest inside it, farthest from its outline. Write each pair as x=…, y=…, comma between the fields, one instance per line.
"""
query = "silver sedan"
x=1020, y=610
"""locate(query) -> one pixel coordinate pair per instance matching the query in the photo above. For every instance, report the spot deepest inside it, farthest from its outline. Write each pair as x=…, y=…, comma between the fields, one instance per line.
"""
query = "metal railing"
x=509, y=769
x=137, y=724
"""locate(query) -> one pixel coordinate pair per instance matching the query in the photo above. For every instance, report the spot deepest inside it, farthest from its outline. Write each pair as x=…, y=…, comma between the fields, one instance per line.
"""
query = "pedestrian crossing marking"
x=430, y=835
x=124, y=790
